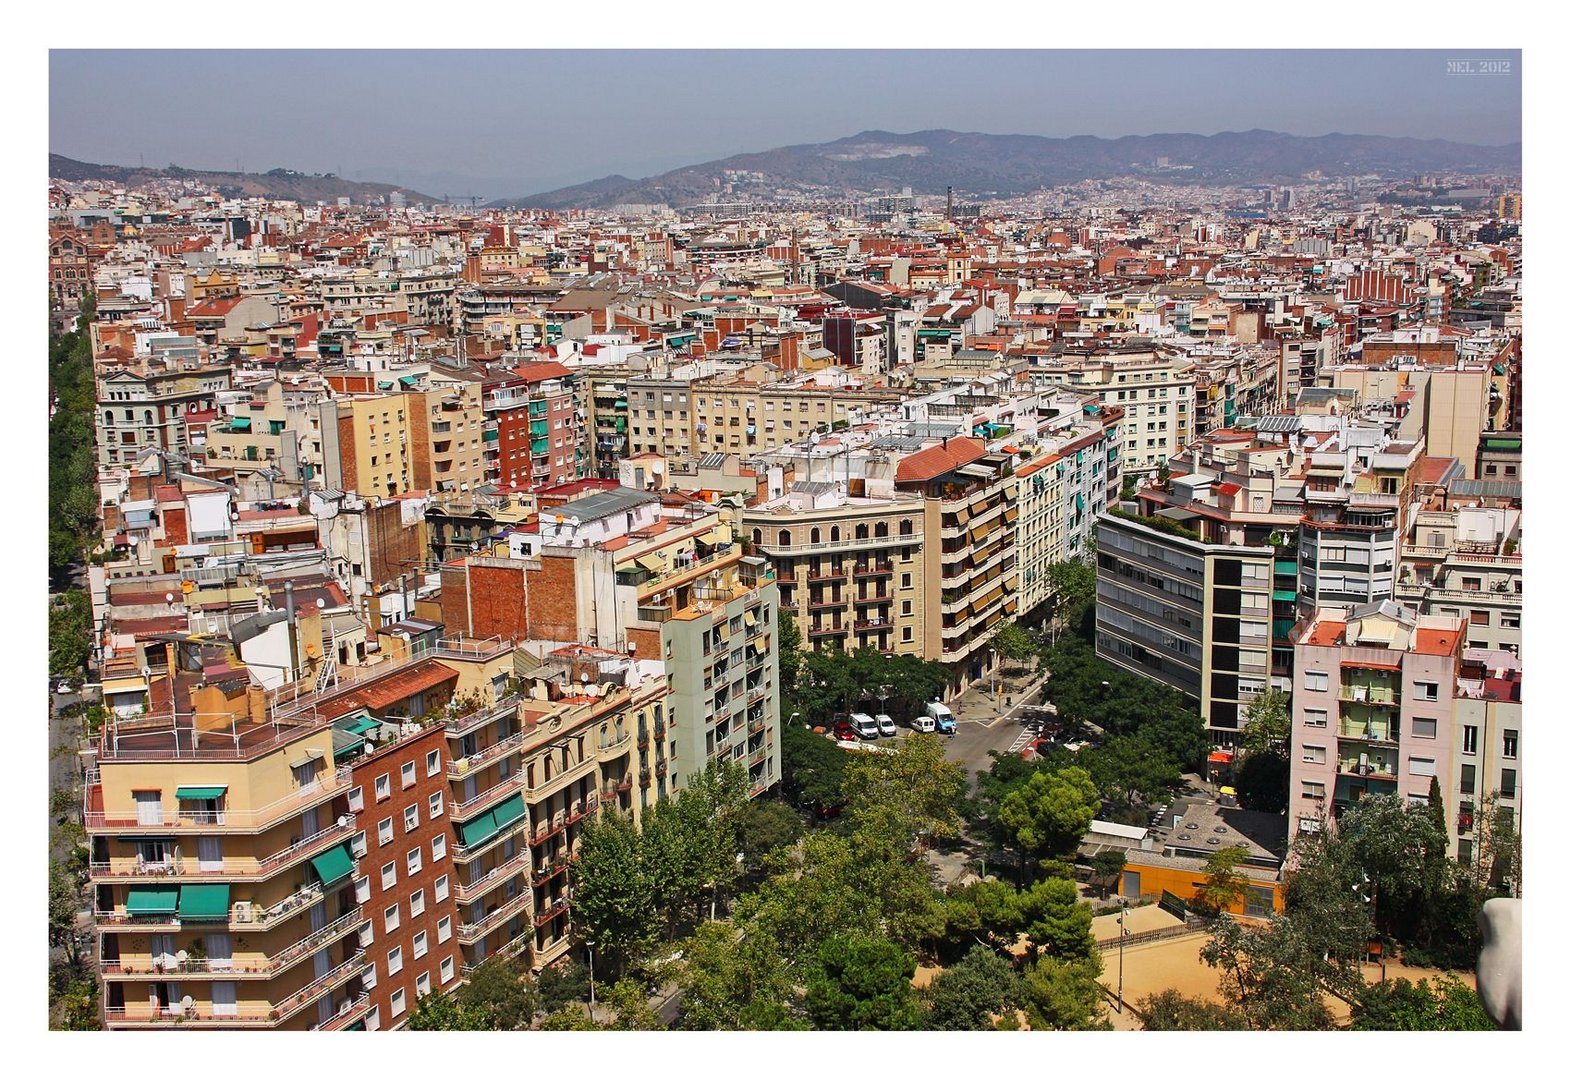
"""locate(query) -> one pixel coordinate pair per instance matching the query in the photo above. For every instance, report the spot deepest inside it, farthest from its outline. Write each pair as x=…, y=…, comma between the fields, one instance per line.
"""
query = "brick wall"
x=395, y=548
x=497, y=602
x=390, y=762
x=553, y=600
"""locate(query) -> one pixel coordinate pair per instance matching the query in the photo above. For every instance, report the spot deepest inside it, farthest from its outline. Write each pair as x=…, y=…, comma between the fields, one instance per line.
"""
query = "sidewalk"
x=981, y=705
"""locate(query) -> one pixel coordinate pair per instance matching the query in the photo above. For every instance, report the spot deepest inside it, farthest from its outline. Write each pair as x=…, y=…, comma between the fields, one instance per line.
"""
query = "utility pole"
x=1123, y=909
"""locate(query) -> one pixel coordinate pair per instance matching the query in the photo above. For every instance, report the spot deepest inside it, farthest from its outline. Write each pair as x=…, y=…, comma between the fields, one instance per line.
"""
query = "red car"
x=844, y=731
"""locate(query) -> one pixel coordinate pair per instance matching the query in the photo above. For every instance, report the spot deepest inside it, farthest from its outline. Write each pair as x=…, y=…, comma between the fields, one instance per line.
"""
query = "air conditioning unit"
x=243, y=912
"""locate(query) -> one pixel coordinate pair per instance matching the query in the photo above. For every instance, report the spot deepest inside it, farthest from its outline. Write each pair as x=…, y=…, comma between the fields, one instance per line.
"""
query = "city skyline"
x=575, y=121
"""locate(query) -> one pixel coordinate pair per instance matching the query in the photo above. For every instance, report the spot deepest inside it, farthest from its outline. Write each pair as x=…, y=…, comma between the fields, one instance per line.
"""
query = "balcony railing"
x=333, y=979
x=357, y=1009
x=1383, y=696
x=492, y=877
x=204, y=1013
x=492, y=794
x=1352, y=767
x=567, y=776
x=468, y=933
x=463, y=724
x=461, y=767
x=512, y=948
x=239, y=820
x=551, y=911
x=237, y=968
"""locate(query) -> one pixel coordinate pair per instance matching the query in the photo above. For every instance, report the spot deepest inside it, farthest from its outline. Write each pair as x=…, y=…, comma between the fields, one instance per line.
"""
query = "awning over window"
x=509, y=812
x=215, y=791
x=240, y=423
x=334, y=864
x=408, y=380
x=152, y=900
x=1284, y=594
x=205, y=902
x=479, y=830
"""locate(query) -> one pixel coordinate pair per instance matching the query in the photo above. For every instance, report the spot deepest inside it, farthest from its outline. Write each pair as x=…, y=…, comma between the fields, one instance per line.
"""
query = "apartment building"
x=1375, y=691
x=445, y=437
x=146, y=407
x=1463, y=557
x=1188, y=613
x=257, y=437
x=1061, y=491
x=366, y=444
x=1487, y=739
x=1155, y=390
x=620, y=569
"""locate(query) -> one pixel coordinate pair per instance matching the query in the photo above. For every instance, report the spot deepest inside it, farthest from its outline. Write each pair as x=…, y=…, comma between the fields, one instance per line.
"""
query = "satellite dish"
x=182, y=956
x=321, y=601
x=186, y=1002
x=343, y=819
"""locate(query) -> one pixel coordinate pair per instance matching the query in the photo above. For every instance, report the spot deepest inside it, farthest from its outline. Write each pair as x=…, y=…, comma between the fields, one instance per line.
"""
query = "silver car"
x=886, y=725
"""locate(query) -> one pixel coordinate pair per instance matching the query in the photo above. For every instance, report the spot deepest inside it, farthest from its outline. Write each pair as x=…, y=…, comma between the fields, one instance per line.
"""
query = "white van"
x=943, y=719
x=923, y=723
x=864, y=726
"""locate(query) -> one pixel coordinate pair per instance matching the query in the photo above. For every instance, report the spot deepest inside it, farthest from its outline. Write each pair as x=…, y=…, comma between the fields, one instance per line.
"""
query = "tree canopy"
x=862, y=983
x=1051, y=812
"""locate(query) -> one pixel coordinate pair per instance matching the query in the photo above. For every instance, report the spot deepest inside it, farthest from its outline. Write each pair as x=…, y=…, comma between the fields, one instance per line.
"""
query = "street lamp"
x=1123, y=909
x=591, y=947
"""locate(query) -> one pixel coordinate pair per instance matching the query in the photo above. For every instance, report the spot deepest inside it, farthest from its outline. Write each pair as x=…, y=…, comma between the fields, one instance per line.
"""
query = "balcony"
x=876, y=598
x=256, y=820
x=547, y=870
x=351, y=1012
x=154, y=967
x=458, y=768
x=777, y=550
x=827, y=574
x=875, y=570
x=469, y=933
x=827, y=631
x=1377, y=770
x=492, y=877
x=204, y=1014
x=562, y=779
x=512, y=948
x=551, y=911
x=495, y=793
x=1385, y=697
x=1366, y=731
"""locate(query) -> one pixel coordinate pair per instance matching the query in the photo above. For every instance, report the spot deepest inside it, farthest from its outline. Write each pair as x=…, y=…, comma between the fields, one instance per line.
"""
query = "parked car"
x=866, y=727
x=844, y=731
x=64, y=687
x=886, y=724
x=943, y=719
x=923, y=723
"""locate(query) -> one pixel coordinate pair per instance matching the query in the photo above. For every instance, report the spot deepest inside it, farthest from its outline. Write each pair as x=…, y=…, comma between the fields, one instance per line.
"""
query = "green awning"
x=1284, y=594
x=215, y=791
x=509, y=812
x=1287, y=566
x=408, y=380
x=240, y=423
x=206, y=902
x=1080, y=502
x=152, y=900
x=348, y=749
x=362, y=725
x=388, y=385
x=479, y=830
x=334, y=864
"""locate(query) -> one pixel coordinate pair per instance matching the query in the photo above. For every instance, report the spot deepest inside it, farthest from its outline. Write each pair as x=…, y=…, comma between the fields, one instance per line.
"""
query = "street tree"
x=1064, y=995
x=812, y=768
x=1399, y=1005
x=914, y=793
x=615, y=894
x=502, y=993
x=861, y=982
x=1170, y=1010
x=630, y=1004
x=444, y=1012
x=765, y=826
x=1267, y=723
x=1223, y=886
x=1014, y=643
x=968, y=995
x=1050, y=813
x=735, y=980
x=1267, y=977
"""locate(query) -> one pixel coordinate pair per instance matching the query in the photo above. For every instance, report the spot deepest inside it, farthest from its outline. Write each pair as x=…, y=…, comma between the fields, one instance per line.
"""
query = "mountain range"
x=276, y=184
x=980, y=165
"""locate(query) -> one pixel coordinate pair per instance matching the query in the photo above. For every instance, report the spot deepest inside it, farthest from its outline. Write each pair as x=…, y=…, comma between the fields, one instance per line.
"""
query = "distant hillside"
x=276, y=184
x=1003, y=165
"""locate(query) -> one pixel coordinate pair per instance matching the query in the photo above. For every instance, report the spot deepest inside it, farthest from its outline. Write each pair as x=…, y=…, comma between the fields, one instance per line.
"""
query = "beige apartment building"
x=1156, y=392
x=366, y=443
x=446, y=437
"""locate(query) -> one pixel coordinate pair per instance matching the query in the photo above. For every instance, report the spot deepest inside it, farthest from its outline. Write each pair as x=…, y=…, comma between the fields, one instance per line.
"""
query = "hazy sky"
x=500, y=124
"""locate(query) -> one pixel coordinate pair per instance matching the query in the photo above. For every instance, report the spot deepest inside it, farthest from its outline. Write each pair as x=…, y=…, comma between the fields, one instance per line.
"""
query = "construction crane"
x=472, y=200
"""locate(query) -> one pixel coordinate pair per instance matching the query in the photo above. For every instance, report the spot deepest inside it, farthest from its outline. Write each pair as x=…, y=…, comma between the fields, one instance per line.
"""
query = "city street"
x=991, y=721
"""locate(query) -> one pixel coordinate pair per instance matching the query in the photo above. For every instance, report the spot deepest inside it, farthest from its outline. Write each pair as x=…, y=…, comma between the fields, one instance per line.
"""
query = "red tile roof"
x=937, y=460
x=1436, y=642
x=381, y=693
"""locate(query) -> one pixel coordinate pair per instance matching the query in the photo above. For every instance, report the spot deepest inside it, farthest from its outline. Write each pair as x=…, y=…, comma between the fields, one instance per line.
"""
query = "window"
x=1477, y=617
x=1313, y=789
x=444, y=929
x=362, y=890
x=415, y=860
x=1426, y=691
x=438, y=847
x=1423, y=729
x=1508, y=745
x=1316, y=754
x=417, y=904
x=1418, y=766
x=1469, y=775
x=407, y=774
x=397, y=1003
x=422, y=984
x=439, y=890
x=420, y=945
x=434, y=805
x=356, y=800
x=357, y=843
x=1508, y=783
x=395, y=960
x=1259, y=902
x=1469, y=739
x=447, y=970
x=411, y=818
x=905, y=633
x=390, y=920
x=433, y=763
x=389, y=875
x=384, y=831
x=373, y=1019
x=1315, y=718
x=384, y=787
x=905, y=581
x=1316, y=680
